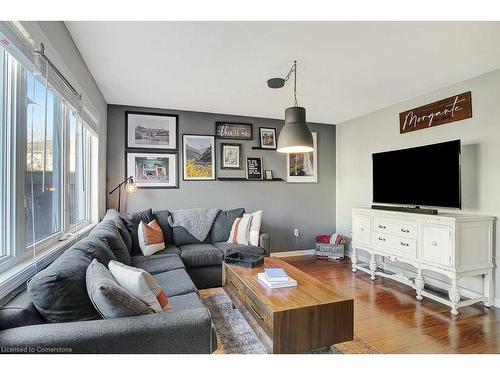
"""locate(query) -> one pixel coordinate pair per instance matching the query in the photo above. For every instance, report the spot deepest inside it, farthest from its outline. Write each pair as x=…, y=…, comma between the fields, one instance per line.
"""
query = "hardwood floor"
x=388, y=316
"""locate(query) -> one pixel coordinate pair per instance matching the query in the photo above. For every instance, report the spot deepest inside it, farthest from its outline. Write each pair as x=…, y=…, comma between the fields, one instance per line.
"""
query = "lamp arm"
x=120, y=184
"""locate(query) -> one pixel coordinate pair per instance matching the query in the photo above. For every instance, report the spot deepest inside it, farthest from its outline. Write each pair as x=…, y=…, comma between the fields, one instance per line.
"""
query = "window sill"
x=14, y=277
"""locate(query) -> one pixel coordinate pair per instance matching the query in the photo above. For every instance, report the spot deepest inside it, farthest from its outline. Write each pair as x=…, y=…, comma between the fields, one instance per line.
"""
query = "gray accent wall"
x=310, y=207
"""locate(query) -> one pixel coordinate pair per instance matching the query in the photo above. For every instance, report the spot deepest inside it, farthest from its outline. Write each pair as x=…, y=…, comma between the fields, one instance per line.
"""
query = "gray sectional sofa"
x=56, y=315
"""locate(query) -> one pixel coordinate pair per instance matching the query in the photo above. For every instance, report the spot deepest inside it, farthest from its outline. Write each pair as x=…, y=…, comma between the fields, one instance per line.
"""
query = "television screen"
x=426, y=175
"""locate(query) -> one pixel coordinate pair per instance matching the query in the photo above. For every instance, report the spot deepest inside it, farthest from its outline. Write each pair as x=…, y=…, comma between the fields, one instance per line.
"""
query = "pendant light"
x=295, y=135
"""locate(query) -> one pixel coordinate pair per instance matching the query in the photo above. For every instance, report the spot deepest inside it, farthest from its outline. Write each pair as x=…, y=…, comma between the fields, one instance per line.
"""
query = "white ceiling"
x=345, y=69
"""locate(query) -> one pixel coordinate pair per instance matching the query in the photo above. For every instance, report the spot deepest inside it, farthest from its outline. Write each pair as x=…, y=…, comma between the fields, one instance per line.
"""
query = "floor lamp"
x=130, y=187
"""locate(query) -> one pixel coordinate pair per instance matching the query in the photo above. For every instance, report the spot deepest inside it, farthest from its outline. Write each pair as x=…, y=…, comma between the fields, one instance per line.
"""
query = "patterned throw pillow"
x=240, y=231
x=150, y=237
x=254, y=227
x=140, y=284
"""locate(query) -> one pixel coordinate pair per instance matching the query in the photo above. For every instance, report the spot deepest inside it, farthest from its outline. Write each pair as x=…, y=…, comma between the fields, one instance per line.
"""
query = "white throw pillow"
x=240, y=231
x=255, y=227
x=140, y=284
x=150, y=237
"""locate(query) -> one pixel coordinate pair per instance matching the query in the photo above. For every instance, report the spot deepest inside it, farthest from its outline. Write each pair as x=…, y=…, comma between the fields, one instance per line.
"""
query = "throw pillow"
x=107, y=229
x=140, y=284
x=255, y=227
x=150, y=237
x=109, y=298
x=240, y=231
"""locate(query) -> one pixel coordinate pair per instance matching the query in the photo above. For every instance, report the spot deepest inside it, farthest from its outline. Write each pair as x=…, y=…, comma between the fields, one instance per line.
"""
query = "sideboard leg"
x=419, y=284
x=373, y=266
x=454, y=294
x=354, y=259
x=488, y=289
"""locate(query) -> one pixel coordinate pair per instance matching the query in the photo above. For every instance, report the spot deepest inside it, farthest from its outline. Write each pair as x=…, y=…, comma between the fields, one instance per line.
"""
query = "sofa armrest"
x=187, y=331
x=265, y=243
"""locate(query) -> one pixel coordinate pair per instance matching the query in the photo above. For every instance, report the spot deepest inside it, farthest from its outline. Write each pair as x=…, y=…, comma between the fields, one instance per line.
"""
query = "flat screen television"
x=426, y=175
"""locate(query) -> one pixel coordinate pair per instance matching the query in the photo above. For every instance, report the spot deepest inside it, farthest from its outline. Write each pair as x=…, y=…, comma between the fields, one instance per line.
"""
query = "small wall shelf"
x=245, y=179
x=260, y=148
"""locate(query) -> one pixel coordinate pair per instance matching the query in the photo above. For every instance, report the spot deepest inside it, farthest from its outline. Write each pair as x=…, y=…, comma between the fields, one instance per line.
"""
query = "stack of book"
x=276, y=278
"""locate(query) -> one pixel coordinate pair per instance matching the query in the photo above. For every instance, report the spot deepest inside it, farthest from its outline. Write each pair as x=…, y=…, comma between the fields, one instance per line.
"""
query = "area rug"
x=235, y=336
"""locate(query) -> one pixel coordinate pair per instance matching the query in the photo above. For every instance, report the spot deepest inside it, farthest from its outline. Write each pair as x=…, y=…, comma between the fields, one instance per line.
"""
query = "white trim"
x=292, y=253
x=428, y=279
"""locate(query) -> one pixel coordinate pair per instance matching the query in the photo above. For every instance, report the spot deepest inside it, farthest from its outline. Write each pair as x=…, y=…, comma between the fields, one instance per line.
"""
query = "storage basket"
x=332, y=251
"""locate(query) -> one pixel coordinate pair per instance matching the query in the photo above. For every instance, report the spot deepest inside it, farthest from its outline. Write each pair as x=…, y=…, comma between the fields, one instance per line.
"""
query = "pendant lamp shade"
x=295, y=135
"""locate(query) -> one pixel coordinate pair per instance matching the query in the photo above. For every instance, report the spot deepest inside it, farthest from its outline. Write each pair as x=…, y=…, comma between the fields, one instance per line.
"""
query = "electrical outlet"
x=296, y=232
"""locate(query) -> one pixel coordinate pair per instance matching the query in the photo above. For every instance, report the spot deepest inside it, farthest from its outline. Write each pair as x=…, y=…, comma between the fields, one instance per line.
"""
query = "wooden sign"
x=454, y=108
x=231, y=130
x=254, y=168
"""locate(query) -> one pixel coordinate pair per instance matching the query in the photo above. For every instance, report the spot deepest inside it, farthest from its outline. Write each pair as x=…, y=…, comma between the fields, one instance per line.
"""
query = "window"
x=47, y=156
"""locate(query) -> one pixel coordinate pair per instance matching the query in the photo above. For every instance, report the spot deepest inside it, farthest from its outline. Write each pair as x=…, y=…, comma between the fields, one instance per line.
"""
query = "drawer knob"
x=362, y=229
x=434, y=243
x=382, y=226
x=381, y=239
x=405, y=230
x=405, y=244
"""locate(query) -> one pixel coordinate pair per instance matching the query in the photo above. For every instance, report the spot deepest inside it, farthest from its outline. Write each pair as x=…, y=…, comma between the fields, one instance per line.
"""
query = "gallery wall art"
x=198, y=157
x=151, y=131
x=303, y=167
x=153, y=170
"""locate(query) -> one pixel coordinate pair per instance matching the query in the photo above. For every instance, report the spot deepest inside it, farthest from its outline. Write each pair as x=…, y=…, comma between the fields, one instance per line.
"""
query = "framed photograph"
x=151, y=170
x=198, y=153
x=151, y=131
x=254, y=168
x=267, y=138
x=231, y=154
x=233, y=130
x=268, y=174
x=303, y=167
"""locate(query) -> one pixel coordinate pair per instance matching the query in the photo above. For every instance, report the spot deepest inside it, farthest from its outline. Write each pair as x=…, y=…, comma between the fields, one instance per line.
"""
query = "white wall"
x=357, y=139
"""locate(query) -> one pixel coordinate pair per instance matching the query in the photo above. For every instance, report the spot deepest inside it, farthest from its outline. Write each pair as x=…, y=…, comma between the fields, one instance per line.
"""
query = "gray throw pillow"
x=108, y=297
x=113, y=215
x=59, y=291
x=223, y=223
x=132, y=222
x=107, y=229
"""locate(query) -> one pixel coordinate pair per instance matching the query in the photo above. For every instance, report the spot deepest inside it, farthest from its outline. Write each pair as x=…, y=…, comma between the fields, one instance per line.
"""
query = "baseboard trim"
x=292, y=253
x=428, y=280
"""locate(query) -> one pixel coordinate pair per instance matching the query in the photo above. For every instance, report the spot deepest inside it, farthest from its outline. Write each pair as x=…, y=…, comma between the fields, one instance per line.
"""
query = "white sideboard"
x=454, y=245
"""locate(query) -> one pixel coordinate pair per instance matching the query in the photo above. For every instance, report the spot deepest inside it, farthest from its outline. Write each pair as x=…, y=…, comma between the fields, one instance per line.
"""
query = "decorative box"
x=330, y=251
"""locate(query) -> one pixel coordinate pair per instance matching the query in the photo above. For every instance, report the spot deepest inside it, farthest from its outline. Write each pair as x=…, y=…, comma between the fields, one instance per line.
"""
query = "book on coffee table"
x=276, y=284
x=275, y=274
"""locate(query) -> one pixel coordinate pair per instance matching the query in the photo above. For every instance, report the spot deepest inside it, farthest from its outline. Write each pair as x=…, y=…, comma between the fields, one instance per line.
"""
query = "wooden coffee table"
x=290, y=320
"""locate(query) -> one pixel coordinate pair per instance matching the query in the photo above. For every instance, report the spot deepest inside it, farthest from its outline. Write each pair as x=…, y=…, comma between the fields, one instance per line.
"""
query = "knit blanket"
x=197, y=221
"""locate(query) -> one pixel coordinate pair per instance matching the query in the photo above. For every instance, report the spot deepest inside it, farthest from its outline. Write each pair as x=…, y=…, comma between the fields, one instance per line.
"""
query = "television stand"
x=414, y=210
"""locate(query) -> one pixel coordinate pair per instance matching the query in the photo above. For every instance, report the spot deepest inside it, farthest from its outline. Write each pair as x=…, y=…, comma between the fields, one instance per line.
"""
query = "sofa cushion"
x=108, y=297
x=169, y=249
x=181, y=236
x=132, y=222
x=107, y=229
x=223, y=223
x=229, y=248
x=157, y=263
x=19, y=312
x=185, y=301
x=199, y=255
x=113, y=215
x=175, y=282
x=162, y=219
x=59, y=292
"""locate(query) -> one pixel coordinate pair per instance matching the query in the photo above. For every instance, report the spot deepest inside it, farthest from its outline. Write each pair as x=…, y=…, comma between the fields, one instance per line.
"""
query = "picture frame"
x=303, y=167
x=147, y=130
x=153, y=170
x=233, y=130
x=268, y=174
x=198, y=157
x=267, y=137
x=254, y=168
x=231, y=156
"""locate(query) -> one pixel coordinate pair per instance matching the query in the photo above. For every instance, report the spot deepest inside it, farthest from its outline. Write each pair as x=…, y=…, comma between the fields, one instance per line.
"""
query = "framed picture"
x=269, y=174
x=254, y=168
x=303, y=167
x=198, y=153
x=151, y=131
x=231, y=156
x=151, y=170
x=233, y=130
x=267, y=138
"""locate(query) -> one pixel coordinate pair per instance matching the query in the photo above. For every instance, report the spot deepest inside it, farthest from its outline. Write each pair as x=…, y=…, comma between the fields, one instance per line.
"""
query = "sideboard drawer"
x=436, y=244
x=397, y=227
x=403, y=246
x=260, y=312
x=362, y=228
